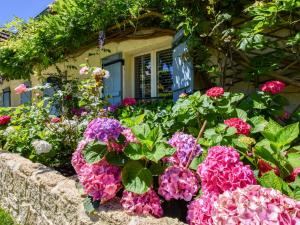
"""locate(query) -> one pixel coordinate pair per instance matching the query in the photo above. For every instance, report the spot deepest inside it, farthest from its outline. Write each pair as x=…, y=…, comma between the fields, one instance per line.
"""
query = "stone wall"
x=37, y=195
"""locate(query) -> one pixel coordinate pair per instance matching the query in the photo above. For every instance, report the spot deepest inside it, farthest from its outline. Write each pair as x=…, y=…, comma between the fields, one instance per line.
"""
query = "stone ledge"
x=37, y=195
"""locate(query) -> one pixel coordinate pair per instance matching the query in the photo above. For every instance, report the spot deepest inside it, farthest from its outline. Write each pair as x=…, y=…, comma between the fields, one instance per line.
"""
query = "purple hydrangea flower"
x=184, y=145
x=103, y=129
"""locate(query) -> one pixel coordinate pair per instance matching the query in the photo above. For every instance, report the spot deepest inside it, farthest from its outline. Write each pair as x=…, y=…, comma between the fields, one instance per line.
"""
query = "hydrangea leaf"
x=117, y=159
x=94, y=151
x=136, y=178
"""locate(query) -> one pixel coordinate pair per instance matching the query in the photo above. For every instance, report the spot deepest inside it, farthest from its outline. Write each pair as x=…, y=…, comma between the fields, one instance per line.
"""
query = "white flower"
x=41, y=146
x=71, y=124
x=107, y=74
x=97, y=71
x=8, y=131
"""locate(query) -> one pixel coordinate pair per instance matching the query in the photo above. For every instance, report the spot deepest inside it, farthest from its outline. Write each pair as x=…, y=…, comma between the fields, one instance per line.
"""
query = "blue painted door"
x=183, y=72
x=113, y=85
x=26, y=97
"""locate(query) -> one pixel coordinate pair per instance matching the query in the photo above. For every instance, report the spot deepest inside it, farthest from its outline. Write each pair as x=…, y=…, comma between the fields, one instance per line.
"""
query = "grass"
x=5, y=218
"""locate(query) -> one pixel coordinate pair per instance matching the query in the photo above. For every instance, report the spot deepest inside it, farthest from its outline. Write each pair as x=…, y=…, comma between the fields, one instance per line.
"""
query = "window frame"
x=154, y=78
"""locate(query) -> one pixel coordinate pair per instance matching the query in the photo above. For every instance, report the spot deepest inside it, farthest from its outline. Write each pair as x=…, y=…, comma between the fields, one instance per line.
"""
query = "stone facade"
x=37, y=195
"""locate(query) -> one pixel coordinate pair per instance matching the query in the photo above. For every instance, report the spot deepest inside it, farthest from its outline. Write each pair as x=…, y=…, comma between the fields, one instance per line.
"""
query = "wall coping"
x=37, y=195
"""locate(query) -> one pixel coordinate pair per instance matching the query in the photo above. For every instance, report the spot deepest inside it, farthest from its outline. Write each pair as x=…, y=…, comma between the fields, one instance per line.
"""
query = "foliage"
x=5, y=218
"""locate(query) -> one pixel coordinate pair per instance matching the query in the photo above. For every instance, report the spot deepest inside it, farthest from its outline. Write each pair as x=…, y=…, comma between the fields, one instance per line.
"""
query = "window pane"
x=164, y=73
x=142, y=66
x=6, y=97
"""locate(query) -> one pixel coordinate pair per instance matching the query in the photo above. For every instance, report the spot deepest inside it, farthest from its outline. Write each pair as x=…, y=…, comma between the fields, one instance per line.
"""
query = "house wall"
x=129, y=48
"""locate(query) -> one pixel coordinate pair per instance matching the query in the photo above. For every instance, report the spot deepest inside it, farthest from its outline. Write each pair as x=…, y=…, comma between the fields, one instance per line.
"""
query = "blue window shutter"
x=6, y=97
x=26, y=97
x=113, y=85
x=183, y=72
x=49, y=92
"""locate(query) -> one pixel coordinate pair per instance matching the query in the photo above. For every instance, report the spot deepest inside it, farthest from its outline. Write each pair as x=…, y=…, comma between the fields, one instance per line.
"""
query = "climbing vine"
x=229, y=40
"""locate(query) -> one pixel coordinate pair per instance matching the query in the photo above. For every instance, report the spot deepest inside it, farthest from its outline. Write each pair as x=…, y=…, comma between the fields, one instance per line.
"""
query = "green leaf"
x=270, y=180
x=288, y=134
x=196, y=162
x=136, y=178
x=117, y=159
x=160, y=151
x=258, y=124
x=272, y=130
x=141, y=131
x=241, y=114
x=94, y=152
x=135, y=151
x=89, y=205
x=230, y=131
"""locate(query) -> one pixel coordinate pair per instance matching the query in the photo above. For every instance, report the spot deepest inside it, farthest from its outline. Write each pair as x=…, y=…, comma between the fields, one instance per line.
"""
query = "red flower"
x=55, y=120
x=241, y=126
x=128, y=102
x=284, y=116
x=273, y=87
x=293, y=175
x=215, y=92
x=265, y=167
x=4, y=120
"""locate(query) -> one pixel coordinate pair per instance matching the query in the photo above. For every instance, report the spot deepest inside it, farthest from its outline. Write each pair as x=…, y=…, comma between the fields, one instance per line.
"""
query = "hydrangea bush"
x=208, y=150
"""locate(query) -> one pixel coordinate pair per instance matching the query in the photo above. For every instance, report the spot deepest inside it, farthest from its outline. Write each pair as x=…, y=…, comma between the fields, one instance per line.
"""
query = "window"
x=6, y=97
x=153, y=74
x=143, y=76
x=164, y=73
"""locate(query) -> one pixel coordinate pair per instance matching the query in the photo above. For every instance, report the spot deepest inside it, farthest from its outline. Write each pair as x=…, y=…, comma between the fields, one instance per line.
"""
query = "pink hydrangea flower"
x=146, y=204
x=84, y=70
x=273, y=87
x=4, y=120
x=241, y=126
x=184, y=145
x=200, y=210
x=130, y=137
x=215, y=92
x=78, y=162
x=222, y=171
x=21, y=89
x=256, y=205
x=178, y=183
x=103, y=129
x=128, y=102
x=101, y=180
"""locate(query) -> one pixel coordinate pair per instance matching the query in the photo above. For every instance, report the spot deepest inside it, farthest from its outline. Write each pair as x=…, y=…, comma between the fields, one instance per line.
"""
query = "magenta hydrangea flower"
x=256, y=205
x=200, y=210
x=184, y=145
x=222, y=171
x=241, y=126
x=128, y=101
x=273, y=87
x=101, y=180
x=146, y=204
x=215, y=92
x=178, y=183
x=78, y=162
x=103, y=129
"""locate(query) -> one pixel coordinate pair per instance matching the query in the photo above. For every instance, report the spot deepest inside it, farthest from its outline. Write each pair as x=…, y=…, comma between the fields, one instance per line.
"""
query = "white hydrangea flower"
x=8, y=131
x=107, y=74
x=41, y=146
x=70, y=124
x=97, y=71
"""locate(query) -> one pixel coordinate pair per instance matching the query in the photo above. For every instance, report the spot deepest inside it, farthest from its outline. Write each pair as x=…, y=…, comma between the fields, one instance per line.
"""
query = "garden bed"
x=37, y=195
